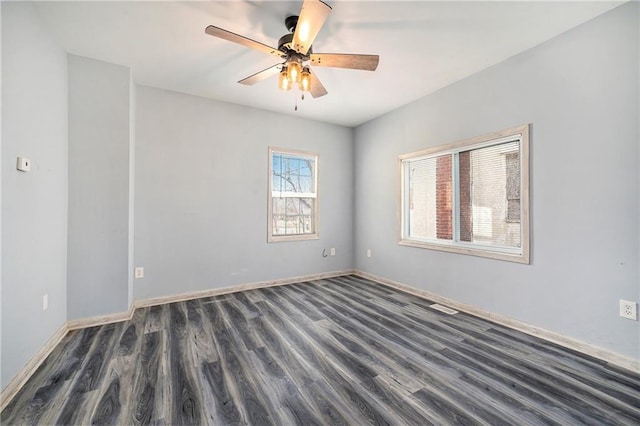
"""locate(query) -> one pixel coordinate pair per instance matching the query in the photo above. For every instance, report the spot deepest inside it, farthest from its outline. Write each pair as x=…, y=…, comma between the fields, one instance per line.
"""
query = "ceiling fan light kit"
x=283, y=79
x=291, y=75
x=295, y=48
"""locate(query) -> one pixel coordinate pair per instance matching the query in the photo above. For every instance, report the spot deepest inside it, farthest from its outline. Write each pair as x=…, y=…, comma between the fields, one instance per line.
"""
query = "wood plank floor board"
x=291, y=360
x=399, y=403
x=143, y=393
x=528, y=375
x=300, y=305
x=325, y=398
x=186, y=403
x=305, y=296
x=201, y=345
x=548, y=350
x=567, y=362
x=517, y=388
x=238, y=320
x=294, y=407
x=114, y=405
x=274, y=295
x=613, y=389
x=312, y=350
x=428, y=326
x=380, y=342
x=376, y=352
x=459, y=396
x=253, y=297
x=79, y=403
x=255, y=408
x=162, y=387
x=410, y=346
x=246, y=304
x=214, y=314
x=449, y=382
x=540, y=370
x=350, y=342
x=291, y=367
x=227, y=411
x=51, y=378
x=353, y=367
x=339, y=370
x=153, y=318
x=340, y=350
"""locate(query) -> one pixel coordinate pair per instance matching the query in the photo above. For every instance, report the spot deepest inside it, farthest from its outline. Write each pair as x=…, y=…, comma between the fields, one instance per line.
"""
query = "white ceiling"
x=423, y=46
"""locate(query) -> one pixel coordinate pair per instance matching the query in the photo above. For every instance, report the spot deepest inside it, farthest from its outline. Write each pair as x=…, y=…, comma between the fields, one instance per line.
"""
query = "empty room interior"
x=307, y=212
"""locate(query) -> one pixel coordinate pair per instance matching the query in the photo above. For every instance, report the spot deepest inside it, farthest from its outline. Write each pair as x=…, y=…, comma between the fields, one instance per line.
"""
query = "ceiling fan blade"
x=317, y=89
x=247, y=42
x=261, y=75
x=311, y=19
x=345, y=60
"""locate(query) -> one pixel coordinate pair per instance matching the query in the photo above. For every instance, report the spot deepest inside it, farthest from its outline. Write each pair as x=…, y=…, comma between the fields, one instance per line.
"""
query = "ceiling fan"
x=295, y=48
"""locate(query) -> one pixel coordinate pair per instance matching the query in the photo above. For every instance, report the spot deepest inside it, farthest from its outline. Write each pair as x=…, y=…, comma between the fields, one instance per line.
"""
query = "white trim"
x=291, y=194
x=293, y=237
x=461, y=249
x=271, y=194
x=500, y=136
x=237, y=287
x=12, y=388
x=101, y=320
x=511, y=254
x=550, y=336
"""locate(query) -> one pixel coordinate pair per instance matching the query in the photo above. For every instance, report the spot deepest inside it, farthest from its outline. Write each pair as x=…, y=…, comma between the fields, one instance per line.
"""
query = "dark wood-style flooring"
x=336, y=351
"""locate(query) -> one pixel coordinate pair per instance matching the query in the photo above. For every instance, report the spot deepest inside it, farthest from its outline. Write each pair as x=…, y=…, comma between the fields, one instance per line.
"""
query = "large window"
x=469, y=197
x=293, y=195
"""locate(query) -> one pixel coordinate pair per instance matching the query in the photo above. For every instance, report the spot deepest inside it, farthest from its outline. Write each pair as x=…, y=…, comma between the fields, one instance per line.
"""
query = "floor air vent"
x=443, y=309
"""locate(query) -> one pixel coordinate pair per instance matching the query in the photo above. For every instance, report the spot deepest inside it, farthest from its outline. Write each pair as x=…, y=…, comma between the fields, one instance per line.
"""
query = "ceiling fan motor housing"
x=285, y=44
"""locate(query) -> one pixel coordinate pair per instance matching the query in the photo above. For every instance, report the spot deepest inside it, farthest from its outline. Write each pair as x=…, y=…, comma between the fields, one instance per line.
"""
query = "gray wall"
x=200, y=171
x=34, y=204
x=580, y=92
x=99, y=145
x=201, y=194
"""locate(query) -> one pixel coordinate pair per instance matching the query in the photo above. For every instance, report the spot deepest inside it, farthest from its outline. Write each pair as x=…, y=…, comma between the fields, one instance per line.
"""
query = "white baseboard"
x=567, y=342
x=27, y=371
x=125, y=316
x=100, y=320
x=236, y=288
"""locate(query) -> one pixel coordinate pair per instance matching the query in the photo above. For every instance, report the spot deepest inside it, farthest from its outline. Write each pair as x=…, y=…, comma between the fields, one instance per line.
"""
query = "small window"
x=293, y=195
x=469, y=197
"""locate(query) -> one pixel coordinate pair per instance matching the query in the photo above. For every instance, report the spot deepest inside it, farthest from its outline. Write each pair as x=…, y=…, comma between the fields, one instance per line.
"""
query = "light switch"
x=24, y=164
x=138, y=272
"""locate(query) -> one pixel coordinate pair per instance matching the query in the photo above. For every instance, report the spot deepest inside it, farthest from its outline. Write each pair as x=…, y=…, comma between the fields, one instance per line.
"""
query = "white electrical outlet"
x=23, y=164
x=628, y=309
x=139, y=272
x=45, y=302
x=368, y=252
x=333, y=251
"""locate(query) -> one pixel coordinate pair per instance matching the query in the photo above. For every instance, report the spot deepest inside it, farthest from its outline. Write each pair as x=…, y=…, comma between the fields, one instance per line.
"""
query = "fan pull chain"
x=295, y=95
x=301, y=98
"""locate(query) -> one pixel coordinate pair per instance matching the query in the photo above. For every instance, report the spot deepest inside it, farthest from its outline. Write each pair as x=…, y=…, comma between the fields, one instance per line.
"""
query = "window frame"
x=271, y=238
x=500, y=253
